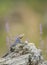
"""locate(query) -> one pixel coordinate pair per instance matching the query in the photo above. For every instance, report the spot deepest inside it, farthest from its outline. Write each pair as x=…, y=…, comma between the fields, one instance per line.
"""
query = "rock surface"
x=24, y=54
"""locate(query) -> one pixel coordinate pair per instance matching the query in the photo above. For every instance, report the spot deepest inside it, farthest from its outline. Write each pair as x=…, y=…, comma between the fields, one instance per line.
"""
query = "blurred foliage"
x=38, y=5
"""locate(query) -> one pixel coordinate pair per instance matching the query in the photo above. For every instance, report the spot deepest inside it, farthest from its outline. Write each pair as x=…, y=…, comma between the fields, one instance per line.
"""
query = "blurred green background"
x=23, y=16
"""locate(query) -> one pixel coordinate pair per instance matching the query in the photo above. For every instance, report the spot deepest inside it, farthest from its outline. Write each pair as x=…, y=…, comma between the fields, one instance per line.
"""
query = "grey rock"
x=24, y=54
